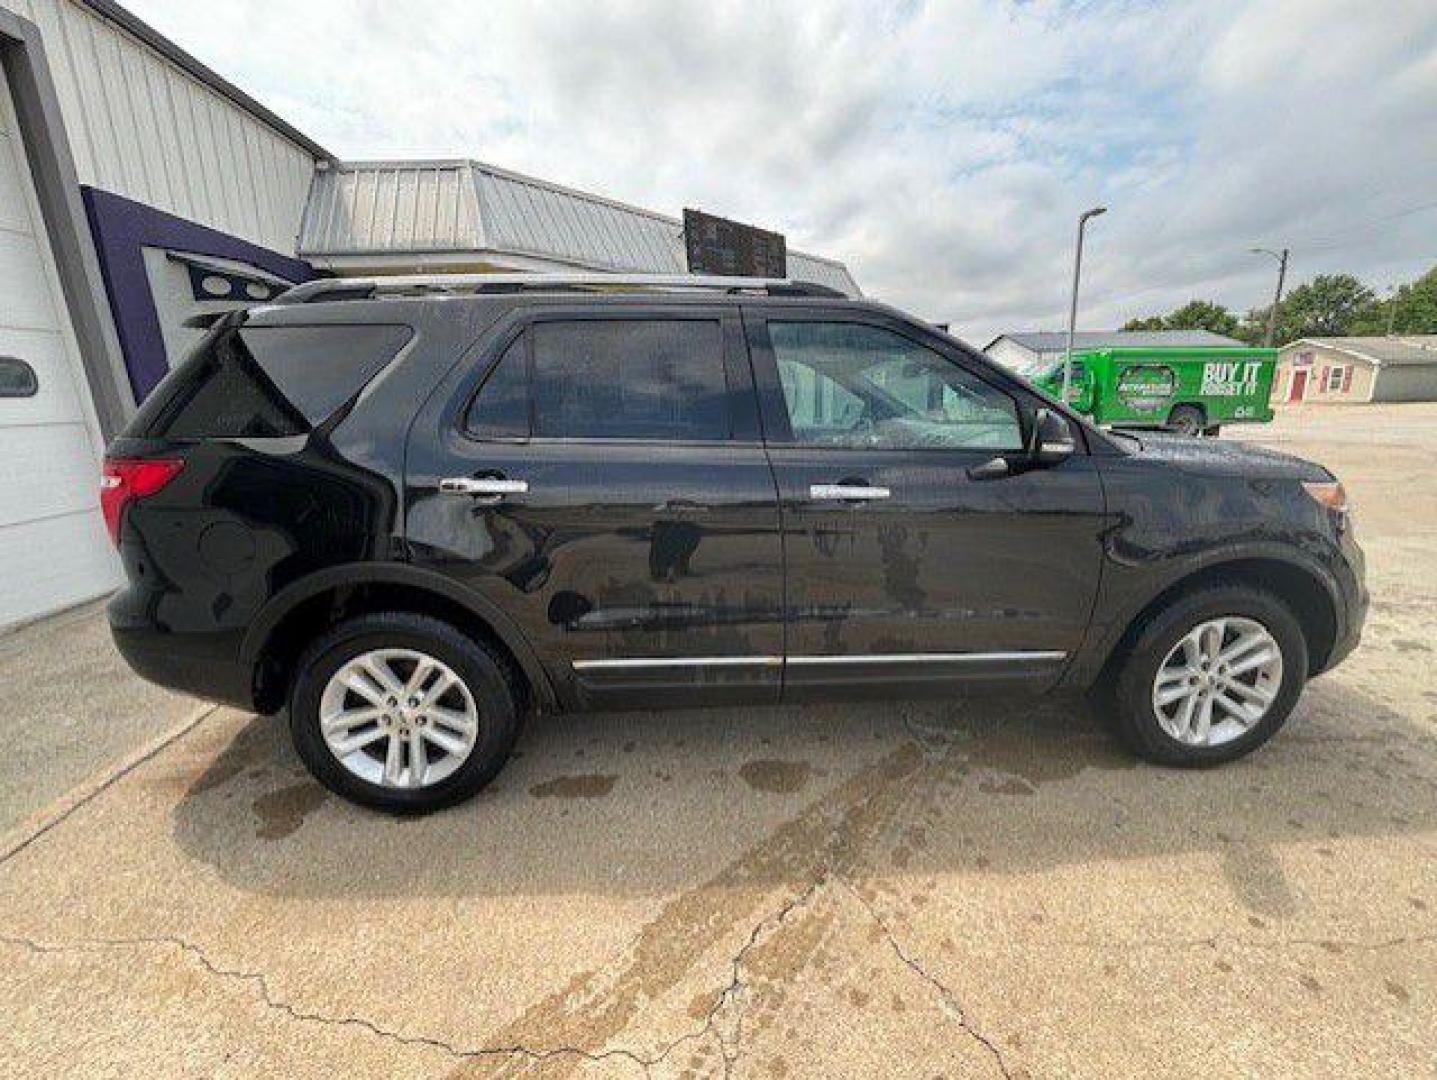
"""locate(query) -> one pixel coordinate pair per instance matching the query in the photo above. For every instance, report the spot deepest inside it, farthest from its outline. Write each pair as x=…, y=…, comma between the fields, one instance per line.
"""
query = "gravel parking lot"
x=979, y=888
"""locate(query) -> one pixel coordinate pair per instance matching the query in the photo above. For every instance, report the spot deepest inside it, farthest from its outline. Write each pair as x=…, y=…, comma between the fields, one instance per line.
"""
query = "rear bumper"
x=195, y=664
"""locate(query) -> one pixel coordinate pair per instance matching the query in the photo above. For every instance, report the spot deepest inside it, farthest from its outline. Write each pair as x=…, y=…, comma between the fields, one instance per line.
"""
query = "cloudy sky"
x=943, y=150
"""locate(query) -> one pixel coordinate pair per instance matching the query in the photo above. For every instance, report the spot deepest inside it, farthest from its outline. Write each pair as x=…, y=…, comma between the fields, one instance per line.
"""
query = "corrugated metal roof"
x=425, y=206
x=1044, y=341
x=1410, y=349
x=428, y=207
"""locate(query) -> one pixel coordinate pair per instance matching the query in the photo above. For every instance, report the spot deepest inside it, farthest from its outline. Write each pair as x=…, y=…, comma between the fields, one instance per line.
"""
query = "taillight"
x=123, y=481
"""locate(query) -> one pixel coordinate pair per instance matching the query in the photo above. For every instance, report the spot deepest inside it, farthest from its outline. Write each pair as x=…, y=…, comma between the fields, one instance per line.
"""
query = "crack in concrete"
x=261, y=982
x=732, y=991
x=57, y=813
x=951, y=1004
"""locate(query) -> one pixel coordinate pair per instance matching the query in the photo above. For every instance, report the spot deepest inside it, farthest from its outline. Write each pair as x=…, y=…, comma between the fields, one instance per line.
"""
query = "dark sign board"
x=716, y=245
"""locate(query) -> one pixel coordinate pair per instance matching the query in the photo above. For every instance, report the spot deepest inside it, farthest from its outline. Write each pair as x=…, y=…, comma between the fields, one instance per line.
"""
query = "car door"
x=905, y=569
x=596, y=471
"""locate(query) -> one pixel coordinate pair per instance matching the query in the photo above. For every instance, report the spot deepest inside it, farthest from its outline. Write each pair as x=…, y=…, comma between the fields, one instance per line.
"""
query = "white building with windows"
x=138, y=188
x=1356, y=370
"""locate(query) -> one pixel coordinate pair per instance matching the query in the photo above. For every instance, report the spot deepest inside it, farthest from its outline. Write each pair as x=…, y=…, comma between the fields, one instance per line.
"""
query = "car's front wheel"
x=402, y=712
x=1210, y=678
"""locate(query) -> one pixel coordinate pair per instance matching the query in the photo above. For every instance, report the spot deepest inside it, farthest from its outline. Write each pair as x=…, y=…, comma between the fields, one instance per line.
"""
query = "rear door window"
x=659, y=379
x=501, y=407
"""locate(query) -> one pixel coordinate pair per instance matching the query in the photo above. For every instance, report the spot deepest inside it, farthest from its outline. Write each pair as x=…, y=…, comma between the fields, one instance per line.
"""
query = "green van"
x=1192, y=390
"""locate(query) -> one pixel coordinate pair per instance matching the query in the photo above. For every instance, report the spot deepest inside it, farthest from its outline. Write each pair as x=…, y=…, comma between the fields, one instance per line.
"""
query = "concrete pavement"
x=981, y=888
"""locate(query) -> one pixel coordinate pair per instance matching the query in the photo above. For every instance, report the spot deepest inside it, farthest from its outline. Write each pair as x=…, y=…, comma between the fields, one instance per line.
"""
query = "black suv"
x=413, y=511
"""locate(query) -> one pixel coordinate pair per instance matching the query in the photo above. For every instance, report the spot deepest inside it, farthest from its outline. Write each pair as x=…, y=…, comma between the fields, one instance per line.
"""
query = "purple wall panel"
x=122, y=228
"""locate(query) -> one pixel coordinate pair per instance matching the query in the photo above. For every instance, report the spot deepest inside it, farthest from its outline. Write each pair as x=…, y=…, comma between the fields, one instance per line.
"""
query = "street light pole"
x=1073, y=305
x=1277, y=297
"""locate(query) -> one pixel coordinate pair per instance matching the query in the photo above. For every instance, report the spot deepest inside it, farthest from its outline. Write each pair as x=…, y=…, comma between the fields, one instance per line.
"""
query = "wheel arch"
x=1305, y=591
x=293, y=616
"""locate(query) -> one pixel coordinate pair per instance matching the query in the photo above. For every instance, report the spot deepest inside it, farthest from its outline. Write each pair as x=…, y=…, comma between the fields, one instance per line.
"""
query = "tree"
x=1194, y=315
x=1203, y=315
x=1150, y=322
x=1330, y=305
x=1327, y=306
x=1412, y=310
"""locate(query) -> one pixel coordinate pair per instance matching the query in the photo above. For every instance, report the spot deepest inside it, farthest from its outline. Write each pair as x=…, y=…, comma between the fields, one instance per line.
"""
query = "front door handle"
x=482, y=485
x=847, y=491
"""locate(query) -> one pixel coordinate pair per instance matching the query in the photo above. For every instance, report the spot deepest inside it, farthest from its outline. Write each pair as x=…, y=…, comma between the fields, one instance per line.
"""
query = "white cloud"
x=943, y=150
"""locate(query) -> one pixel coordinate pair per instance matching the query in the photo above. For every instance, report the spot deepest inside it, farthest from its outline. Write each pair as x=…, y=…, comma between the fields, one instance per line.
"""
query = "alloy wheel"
x=398, y=718
x=1218, y=681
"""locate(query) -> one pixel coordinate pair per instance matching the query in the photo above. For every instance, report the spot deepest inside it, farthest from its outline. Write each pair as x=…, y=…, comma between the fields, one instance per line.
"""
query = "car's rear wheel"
x=1210, y=678
x=1187, y=420
x=402, y=712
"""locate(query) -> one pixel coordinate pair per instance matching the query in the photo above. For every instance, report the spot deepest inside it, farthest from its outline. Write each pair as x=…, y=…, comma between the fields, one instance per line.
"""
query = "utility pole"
x=1391, y=308
x=1277, y=297
x=1073, y=306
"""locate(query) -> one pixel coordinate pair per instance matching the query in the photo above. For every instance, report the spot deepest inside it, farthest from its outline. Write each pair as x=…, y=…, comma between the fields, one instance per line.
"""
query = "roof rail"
x=366, y=288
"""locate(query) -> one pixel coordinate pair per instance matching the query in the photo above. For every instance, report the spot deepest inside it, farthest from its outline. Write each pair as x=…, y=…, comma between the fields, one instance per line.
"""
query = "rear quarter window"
x=257, y=381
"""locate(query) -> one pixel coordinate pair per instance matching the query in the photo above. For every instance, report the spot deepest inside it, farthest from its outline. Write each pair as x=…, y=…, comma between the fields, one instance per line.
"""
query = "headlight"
x=1329, y=493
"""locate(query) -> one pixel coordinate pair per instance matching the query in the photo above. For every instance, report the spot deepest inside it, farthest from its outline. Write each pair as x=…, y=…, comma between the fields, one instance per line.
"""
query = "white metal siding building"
x=142, y=127
x=92, y=100
x=53, y=547
x=139, y=188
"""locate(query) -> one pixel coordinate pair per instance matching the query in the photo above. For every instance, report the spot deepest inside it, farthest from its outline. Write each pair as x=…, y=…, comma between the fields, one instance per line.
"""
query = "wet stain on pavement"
x=592, y=1008
x=1006, y=785
x=283, y=811
x=221, y=772
x=775, y=776
x=584, y=786
x=1258, y=881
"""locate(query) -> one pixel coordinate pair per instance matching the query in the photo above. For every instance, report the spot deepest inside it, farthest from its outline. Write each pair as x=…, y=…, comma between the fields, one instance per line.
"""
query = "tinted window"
x=17, y=378
x=630, y=379
x=501, y=408
x=265, y=381
x=848, y=385
x=318, y=368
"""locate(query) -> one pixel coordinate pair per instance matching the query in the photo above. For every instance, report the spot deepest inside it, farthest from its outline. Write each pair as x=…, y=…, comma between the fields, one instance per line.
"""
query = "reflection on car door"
x=902, y=571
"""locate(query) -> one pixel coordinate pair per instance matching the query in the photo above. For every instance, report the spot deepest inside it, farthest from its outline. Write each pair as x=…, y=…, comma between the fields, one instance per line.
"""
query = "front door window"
x=862, y=387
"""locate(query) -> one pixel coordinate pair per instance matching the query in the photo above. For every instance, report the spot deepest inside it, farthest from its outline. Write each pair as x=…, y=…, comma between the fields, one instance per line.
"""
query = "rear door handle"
x=482, y=485
x=847, y=491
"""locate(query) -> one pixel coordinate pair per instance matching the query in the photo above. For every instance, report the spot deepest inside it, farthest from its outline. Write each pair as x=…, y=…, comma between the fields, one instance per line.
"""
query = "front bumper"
x=1354, y=602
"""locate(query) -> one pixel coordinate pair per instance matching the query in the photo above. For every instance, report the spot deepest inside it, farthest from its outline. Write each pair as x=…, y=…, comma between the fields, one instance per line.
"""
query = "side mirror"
x=1052, y=440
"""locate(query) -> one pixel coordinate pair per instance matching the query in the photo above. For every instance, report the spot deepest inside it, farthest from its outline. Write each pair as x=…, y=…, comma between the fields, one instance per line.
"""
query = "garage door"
x=53, y=548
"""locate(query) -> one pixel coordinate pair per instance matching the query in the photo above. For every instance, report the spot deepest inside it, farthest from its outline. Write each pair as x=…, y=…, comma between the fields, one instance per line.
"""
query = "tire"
x=1129, y=689
x=1187, y=419
x=482, y=680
